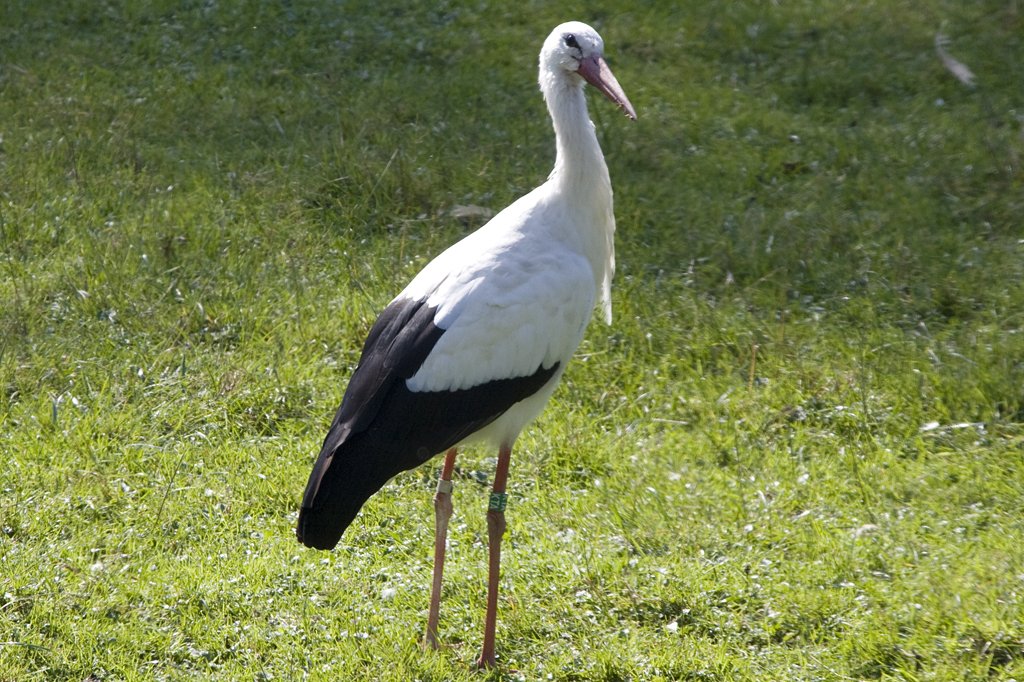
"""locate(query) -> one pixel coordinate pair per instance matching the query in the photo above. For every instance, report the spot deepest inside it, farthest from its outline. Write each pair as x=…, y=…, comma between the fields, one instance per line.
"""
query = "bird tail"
x=343, y=479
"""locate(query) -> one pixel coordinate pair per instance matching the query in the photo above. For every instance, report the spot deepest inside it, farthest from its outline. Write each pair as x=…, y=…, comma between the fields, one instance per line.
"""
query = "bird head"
x=576, y=49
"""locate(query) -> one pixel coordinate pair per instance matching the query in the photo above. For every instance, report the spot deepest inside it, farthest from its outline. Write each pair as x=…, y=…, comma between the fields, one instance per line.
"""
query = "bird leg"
x=442, y=512
x=495, y=531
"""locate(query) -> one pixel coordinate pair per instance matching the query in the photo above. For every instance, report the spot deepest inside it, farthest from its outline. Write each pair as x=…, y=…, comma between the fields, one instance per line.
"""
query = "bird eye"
x=570, y=40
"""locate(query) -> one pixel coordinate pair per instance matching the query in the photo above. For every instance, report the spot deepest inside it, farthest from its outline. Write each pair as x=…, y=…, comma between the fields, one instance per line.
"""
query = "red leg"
x=442, y=512
x=495, y=531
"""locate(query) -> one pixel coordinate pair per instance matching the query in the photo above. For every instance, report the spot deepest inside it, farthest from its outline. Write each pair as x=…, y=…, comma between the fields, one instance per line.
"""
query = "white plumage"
x=474, y=346
x=518, y=293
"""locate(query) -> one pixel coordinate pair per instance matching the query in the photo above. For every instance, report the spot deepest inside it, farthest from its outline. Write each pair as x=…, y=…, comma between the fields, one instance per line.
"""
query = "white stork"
x=474, y=346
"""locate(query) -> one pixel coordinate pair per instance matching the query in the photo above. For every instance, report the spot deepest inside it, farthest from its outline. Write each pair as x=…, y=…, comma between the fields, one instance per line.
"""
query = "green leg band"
x=497, y=502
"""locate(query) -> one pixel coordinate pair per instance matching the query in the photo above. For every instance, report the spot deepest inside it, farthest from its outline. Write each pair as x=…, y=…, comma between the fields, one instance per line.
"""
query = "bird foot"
x=486, y=662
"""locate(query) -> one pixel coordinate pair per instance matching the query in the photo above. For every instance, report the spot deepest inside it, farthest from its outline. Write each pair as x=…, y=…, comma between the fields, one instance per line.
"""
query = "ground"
x=796, y=454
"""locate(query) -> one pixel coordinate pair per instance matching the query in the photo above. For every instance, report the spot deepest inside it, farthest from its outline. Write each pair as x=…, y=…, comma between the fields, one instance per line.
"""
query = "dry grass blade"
x=960, y=70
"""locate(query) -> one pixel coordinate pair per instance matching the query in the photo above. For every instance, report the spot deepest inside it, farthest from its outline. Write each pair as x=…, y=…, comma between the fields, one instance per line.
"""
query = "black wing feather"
x=383, y=428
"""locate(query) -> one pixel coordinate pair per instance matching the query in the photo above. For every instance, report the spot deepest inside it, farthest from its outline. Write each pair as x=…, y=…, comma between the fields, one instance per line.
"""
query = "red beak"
x=596, y=72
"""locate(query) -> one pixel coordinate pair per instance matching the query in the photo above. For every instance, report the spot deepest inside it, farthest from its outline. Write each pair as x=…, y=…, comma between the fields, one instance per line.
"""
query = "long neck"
x=579, y=163
x=581, y=176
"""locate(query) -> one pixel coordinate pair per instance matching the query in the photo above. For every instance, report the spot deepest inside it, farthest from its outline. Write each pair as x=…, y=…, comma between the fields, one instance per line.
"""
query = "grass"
x=796, y=455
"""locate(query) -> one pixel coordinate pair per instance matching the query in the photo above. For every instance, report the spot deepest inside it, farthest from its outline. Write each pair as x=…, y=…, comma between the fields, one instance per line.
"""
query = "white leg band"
x=444, y=487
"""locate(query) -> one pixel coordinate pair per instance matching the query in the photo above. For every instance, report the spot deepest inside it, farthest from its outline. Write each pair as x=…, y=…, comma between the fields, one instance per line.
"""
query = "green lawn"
x=797, y=454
